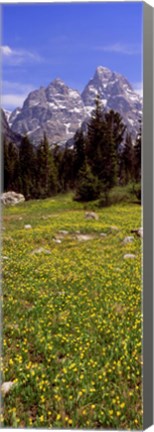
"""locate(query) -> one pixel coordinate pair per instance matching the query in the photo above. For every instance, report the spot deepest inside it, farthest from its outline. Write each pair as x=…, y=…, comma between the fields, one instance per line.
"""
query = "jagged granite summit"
x=115, y=93
x=56, y=110
x=59, y=111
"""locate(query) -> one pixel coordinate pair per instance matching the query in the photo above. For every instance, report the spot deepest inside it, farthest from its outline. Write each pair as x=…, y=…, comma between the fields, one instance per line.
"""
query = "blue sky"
x=43, y=41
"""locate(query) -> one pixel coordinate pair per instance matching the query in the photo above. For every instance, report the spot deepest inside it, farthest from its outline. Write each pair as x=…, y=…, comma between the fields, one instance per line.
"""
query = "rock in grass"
x=103, y=234
x=131, y=256
x=63, y=232
x=84, y=237
x=138, y=232
x=40, y=250
x=91, y=215
x=28, y=226
x=58, y=241
x=6, y=387
x=114, y=228
x=12, y=197
x=128, y=239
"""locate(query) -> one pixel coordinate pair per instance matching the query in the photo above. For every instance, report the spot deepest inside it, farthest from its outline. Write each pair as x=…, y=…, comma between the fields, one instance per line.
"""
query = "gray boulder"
x=12, y=198
x=129, y=256
x=56, y=240
x=114, y=228
x=40, y=250
x=91, y=215
x=63, y=232
x=6, y=387
x=138, y=232
x=128, y=239
x=84, y=237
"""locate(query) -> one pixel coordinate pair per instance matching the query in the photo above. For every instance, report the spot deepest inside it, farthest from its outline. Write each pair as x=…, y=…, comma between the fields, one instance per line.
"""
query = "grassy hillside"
x=71, y=316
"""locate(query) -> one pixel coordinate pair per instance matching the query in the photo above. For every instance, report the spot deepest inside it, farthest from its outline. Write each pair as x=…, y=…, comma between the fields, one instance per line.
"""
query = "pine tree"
x=101, y=148
x=137, y=155
x=87, y=185
x=67, y=170
x=94, y=139
x=114, y=120
x=108, y=175
x=127, y=159
x=11, y=166
x=6, y=176
x=46, y=170
x=53, y=176
x=79, y=152
x=57, y=158
x=43, y=167
x=27, y=167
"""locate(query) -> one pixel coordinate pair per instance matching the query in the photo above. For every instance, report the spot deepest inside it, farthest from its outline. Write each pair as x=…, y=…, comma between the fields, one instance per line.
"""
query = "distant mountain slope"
x=13, y=116
x=7, y=114
x=59, y=110
x=7, y=132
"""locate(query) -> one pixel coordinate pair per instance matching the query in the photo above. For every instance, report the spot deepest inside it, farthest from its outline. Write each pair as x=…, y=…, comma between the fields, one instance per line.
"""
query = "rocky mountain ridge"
x=59, y=110
x=7, y=133
x=115, y=93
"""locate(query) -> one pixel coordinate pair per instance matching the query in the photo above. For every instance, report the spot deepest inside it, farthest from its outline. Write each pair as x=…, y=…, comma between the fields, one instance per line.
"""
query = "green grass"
x=72, y=318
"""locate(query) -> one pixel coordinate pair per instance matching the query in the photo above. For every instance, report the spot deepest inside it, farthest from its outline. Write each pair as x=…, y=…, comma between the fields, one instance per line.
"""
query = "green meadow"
x=71, y=316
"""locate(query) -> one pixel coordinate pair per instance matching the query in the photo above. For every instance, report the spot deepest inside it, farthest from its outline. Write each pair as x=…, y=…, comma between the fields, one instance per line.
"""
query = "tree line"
x=99, y=159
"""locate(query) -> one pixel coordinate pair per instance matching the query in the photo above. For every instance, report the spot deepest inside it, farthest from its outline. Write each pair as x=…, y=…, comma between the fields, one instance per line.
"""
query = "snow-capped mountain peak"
x=59, y=110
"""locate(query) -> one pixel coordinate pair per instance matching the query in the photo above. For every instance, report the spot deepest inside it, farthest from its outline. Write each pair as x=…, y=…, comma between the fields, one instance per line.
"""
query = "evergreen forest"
x=101, y=158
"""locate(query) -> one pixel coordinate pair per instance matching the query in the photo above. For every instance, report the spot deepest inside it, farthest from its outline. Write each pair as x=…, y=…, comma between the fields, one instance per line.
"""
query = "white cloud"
x=120, y=48
x=12, y=101
x=14, y=94
x=5, y=50
x=15, y=57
